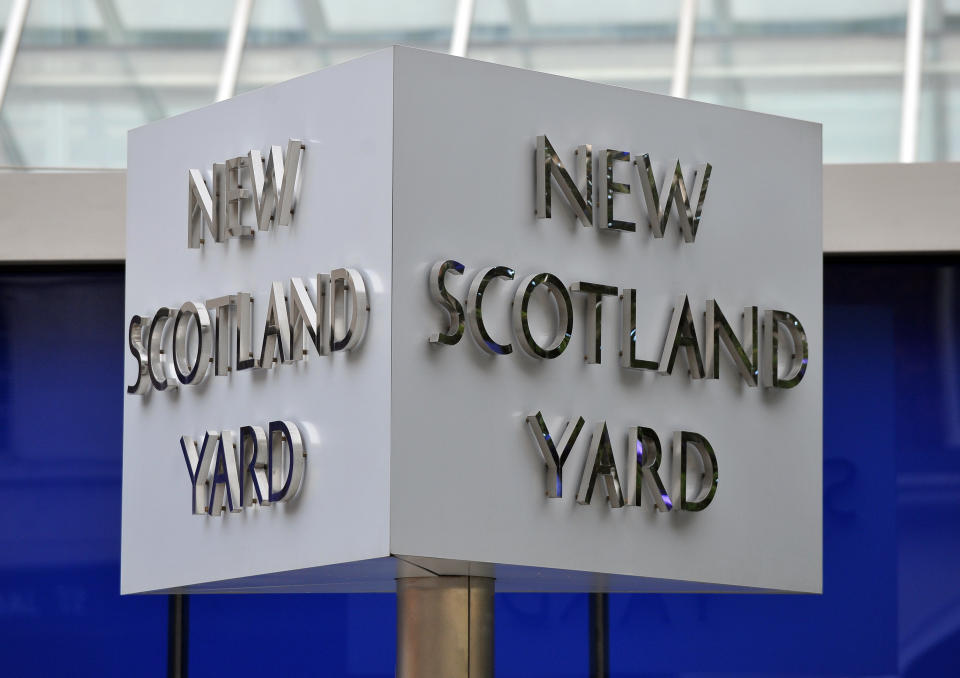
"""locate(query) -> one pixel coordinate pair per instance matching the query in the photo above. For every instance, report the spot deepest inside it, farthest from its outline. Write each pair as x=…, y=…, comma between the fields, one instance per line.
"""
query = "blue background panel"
x=891, y=602
x=61, y=433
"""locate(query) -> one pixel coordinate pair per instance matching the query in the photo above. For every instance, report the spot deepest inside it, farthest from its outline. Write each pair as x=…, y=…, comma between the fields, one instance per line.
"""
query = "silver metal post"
x=234, y=53
x=445, y=627
x=460, y=35
x=912, y=71
x=686, y=23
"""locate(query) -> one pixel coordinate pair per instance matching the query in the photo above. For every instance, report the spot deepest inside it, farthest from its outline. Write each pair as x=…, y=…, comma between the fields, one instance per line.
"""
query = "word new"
x=642, y=466
x=262, y=468
x=182, y=354
x=658, y=200
x=270, y=184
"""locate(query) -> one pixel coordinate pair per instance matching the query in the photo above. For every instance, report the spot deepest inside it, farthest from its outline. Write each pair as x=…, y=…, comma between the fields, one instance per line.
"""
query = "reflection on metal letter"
x=225, y=483
x=643, y=463
x=600, y=464
x=253, y=466
x=196, y=373
x=303, y=320
x=682, y=333
x=628, y=333
x=198, y=466
x=579, y=194
x=274, y=181
x=284, y=471
x=138, y=324
x=745, y=357
x=223, y=308
x=346, y=282
x=682, y=441
x=772, y=321
x=607, y=187
x=658, y=214
x=276, y=329
x=521, y=322
x=200, y=210
x=548, y=449
x=235, y=194
x=594, y=316
x=475, y=303
x=439, y=293
x=155, y=354
x=245, y=357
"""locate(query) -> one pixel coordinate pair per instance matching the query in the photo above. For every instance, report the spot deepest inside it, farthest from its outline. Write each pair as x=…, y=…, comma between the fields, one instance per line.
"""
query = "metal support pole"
x=445, y=627
x=234, y=53
x=686, y=23
x=178, y=629
x=599, y=636
x=460, y=35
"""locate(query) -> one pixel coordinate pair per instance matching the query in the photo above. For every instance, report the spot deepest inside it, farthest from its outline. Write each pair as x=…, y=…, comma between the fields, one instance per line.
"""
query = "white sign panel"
x=416, y=314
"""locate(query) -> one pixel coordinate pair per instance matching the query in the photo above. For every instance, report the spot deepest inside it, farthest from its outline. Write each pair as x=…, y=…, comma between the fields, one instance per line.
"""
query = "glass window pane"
x=939, y=124
x=288, y=38
x=619, y=42
x=836, y=63
x=89, y=70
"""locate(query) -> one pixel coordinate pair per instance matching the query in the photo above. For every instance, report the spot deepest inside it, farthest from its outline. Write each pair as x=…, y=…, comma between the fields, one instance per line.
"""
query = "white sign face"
x=469, y=318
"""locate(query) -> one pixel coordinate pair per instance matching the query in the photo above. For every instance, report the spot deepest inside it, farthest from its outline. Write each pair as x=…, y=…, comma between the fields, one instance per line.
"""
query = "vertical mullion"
x=683, y=54
x=912, y=73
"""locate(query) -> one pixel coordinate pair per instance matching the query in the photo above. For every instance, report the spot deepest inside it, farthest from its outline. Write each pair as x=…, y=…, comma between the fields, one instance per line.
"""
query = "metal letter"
x=548, y=450
x=200, y=211
x=198, y=466
x=682, y=440
x=245, y=357
x=324, y=314
x=593, y=314
x=682, y=333
x=600, y=463
x=607, y=188
x=657, y=214
x=223, y=307
x=521, y=322
x=265, y=182
x=277, y=327
x=284, y=477
x=220, y=198
x=291, y=167
x=643, y=463
x=235, y=193
x=225, y=477
x=303, y=320
x=349, y=283
x=579, y=194
x=155, y=354
x=628, y=333
x=474, y=309
x=253, y=466
x=772, y=320
x=138, y=324
x=746, y=358
x=439, y=293
x=274, y=183
x=196, y=373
